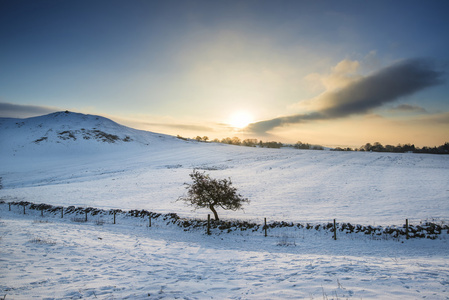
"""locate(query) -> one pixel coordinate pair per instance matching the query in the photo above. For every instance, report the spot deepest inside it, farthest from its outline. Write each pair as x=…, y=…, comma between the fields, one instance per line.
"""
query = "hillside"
x=75, y=159
x=80, y=160
x=71, y=132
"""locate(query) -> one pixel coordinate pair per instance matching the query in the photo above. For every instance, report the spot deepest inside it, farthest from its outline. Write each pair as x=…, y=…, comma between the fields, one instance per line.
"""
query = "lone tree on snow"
x=206, y=192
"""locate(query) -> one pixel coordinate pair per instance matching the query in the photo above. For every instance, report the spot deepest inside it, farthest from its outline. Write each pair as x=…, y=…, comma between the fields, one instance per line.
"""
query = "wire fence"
x=411, y=229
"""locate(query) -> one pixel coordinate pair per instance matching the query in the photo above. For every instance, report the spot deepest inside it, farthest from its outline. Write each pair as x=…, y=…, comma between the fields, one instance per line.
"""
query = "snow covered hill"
x=72, y=132
x=83, y=160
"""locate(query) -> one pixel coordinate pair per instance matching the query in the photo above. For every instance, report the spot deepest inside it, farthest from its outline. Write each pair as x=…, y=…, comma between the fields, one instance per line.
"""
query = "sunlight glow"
x=240, y=119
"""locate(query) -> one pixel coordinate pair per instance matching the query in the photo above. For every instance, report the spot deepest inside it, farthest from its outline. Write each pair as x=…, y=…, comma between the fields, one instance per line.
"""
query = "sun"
x=240, y=119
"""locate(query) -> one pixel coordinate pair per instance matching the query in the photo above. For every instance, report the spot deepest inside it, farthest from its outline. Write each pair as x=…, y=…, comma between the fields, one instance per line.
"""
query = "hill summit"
x=71, y=131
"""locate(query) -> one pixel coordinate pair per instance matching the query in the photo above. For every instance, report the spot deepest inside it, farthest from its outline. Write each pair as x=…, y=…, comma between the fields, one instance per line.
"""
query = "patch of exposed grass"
x=79, y=219
x=286, y=241
x=41, y=241
x=42, y=221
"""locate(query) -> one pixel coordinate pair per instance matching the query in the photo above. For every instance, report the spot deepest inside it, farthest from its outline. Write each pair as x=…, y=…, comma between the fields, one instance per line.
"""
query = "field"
x=54, y=258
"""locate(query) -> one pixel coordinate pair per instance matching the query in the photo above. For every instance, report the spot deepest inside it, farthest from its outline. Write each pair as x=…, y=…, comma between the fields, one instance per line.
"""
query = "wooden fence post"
x=149, y=220
x=265, y=226
x=85, y=212
x=114, y=216
x=335, y=230
x=406, y=229
x=24, y=209
x=62, y=212
x=208, y=224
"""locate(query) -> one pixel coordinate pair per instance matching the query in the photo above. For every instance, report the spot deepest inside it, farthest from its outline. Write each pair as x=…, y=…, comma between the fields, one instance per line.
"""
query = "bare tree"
x=206, y=192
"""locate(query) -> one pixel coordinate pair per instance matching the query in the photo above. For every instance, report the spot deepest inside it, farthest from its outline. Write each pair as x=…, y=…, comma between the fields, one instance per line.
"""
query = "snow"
x=57, y=258
x=54, y=258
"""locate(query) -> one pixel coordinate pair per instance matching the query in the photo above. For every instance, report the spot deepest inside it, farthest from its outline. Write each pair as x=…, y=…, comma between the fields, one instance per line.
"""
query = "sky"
x=334, y=73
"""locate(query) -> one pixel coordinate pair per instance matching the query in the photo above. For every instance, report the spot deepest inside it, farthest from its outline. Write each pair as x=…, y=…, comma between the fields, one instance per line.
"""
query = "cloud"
x=364, y=94
x=158, y=123
x=438, y=119
x=341, y=75
x=9, y=110
x=407, y=108
x=182, y=126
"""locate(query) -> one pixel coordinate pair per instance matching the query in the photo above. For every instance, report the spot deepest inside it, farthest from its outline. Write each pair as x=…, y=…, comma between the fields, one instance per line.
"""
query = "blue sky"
x=325, y=72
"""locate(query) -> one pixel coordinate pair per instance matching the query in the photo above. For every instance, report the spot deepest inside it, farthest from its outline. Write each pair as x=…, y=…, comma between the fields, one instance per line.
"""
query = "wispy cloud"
x=364, y=94
x=9, y=110
x=164, y=125
x=199, y=128
x=439, y=119
x=407, y=108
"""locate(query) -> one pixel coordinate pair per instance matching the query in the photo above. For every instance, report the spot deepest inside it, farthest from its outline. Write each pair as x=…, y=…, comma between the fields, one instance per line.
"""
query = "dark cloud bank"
x=398, y=80
x=9, y=110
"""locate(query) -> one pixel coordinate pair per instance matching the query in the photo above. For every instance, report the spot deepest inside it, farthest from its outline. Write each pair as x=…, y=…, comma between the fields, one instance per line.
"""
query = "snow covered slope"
x=80, y=160
x=74, y=159
x=69, y=132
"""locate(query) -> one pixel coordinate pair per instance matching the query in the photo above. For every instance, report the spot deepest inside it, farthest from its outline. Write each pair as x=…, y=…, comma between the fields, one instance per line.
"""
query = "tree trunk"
x=214, y=211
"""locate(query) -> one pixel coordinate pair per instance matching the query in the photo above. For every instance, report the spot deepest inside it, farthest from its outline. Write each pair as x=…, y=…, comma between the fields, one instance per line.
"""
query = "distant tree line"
x=378, y=147
x=375, y=147
x=248, y=142
x=300, y=145
x=253, y=143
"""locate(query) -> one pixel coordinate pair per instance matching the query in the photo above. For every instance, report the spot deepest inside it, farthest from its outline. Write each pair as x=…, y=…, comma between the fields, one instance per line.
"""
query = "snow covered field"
x=54, y=258
x=72, y=159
